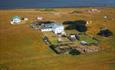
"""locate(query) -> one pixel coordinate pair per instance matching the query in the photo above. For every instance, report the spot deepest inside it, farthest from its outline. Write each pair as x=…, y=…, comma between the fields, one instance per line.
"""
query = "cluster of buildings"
x=57, y=28
x=43, y=26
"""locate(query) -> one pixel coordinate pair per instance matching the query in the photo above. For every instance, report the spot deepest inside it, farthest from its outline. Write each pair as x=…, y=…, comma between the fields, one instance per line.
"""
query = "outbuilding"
x=39, y=18
x=72, y=37
x=83, y=43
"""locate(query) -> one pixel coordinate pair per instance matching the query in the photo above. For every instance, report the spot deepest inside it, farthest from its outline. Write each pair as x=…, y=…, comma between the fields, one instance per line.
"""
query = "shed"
x=83, y=43
x=72, y=37
x=39, y=18
x=26, y=19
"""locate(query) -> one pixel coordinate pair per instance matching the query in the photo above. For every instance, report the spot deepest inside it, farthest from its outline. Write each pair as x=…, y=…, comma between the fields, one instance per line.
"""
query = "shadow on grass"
x=53, y=48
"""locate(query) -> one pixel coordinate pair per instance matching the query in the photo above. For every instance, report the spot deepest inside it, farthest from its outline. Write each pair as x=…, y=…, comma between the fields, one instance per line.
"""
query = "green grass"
x=87, y=39
x=54, y=42
x=47, y=9
x=52, y=37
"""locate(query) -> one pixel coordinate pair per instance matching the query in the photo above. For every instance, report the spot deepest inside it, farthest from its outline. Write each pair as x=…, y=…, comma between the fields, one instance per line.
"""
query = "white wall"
x=46, y=30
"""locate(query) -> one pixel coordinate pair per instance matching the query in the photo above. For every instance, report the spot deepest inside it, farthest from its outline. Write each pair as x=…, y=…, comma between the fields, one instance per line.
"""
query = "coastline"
x=59, y=7
x=33, y=9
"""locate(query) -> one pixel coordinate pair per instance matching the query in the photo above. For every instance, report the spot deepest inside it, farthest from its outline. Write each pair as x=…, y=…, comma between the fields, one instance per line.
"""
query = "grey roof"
x=51, y=25
x=57, y=25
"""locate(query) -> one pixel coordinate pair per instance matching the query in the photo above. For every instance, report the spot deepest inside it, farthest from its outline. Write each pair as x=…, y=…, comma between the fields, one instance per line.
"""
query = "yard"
x=88, y=39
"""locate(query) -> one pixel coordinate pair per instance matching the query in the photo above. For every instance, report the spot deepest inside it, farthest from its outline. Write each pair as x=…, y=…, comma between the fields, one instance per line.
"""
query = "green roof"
x=16, y=17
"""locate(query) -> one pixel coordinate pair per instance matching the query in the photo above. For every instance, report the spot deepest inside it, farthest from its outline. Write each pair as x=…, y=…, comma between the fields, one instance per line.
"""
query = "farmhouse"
x=15, y=20
x=55, y=27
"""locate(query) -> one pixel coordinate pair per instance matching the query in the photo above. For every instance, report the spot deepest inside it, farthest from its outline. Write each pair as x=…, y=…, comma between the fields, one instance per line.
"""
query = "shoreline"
x=56, y=7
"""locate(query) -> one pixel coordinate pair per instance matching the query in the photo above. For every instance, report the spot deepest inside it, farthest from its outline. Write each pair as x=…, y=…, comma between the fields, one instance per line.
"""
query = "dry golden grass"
x=22, y=48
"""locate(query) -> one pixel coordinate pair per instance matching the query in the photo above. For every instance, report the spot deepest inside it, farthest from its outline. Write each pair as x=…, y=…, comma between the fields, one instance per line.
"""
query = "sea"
x=14, y=4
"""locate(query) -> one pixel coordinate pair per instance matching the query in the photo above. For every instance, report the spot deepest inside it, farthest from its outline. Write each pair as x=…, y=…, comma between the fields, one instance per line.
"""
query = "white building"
x=15, y=20
x=39, y=18
x=58, y=28
x=46, y=29
x=26, y=19
x=55, y=27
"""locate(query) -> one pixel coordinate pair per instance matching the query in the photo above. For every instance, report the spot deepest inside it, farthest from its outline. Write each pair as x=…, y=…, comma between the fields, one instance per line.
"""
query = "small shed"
x=15, y=20
x=26, y=19
x=83, y=43
x=39, y=18
x=72, y=37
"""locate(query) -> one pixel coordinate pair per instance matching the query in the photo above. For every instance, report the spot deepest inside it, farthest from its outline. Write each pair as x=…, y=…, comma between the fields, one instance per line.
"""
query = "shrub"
x=74, y=52
x=105, y=33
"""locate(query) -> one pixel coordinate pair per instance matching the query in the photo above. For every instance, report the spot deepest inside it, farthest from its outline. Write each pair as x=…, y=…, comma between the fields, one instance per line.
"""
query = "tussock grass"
x=22, y=48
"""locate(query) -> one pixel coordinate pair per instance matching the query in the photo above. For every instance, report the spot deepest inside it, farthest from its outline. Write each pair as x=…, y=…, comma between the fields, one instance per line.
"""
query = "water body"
x=11, y=4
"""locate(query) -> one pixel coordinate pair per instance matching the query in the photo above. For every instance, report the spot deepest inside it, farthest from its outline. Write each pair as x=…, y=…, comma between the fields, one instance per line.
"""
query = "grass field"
x=22, y=48
x=88, y=39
